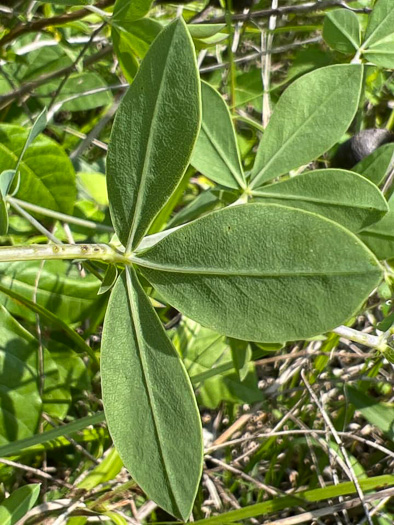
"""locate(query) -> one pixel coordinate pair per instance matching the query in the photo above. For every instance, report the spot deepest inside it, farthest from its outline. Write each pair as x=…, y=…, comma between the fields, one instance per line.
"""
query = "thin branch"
x=306, y=517
x=310, y=7
x=39, y=25
x=253, y=56
x=26, y=88
x=339, y=442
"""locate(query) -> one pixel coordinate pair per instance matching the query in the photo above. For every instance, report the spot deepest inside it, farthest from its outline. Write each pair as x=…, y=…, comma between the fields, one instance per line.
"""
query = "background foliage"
x=274, y=413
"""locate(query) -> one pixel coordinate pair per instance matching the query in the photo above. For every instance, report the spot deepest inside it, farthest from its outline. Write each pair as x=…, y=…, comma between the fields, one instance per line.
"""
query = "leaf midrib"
x=148, y=150
x=131, y=291
x=257, y=178
x=317, y=200
x=247, y=273
x=237, y=176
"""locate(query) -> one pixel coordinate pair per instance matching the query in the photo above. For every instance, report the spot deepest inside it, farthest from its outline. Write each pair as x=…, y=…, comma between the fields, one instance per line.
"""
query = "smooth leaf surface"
x=3, y=216
x=132, y=40
x=148, y=400
x=81, y=92
x=126, y=11
x=339, y=195
x=19, y=385
x=341, y=31
x=60, y=289
x=377, y=413
x=241, y=353
x=216, y=153
x=380, y=236
x=376, y=166
x=207, y=357
x=19, y=503
x=378, y=43
x=153, y=134
x=47, y=175
x=310, y=117
x=263, y=272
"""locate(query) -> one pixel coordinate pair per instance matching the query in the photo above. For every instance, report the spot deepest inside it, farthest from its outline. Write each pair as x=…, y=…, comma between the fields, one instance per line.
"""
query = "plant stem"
x=373, y=341
x=102, y=252
x=60, y=216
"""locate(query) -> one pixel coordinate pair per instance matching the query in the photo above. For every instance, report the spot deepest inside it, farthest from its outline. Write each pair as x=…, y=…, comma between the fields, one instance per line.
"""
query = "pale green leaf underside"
x=380, y=236
x=149, y=403
x=380, y=23
x=310, y=117
x=153, y=134
x=376, y=166
x=341, y=30
x=263, y=272
x=216, y=153
x=339, y=195
x=378, y=45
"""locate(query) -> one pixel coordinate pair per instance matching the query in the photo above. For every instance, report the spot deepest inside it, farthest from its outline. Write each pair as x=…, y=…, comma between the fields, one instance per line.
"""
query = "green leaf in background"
x=95, y=185
x=378, y=45
x=216, y=153
x=153, y=134
x=339, y=195
x=132, y=40
x=207, y=357
x=379, y=414
x=262, y=272
x=3, y=216
x=376, y=166
x=149, y=403
x=126, y=11
x=310, y=117
x=110, y=277
x=47, y=175
x=85, y=91
x=380, y=236
x=19, y=383
x=241, y=354
x=107, y=470
x=6, y=178
x=341, y=31
x=60, y=289
x=17, y=505
x=38, y=126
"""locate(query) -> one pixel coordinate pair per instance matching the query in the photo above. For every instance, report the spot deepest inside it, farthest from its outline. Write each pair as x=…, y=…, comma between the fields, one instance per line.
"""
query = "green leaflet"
x=216, y=152
x=263, y=272
x=378, y=45
x=149, y=402
x=310, y=117
x=132, y=40
x=47, y=175
x=376, y=166
x=126, y=11
x=153, y=134
x=75, y=88
x=60, y=289
x=19, y=386
x=339, y=195
x=379, y=414
x=16, y=506
x=380, y=236
x=341, y=31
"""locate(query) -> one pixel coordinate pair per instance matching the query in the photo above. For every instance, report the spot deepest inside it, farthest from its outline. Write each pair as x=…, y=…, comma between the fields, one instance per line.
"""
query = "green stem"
x=60, y=216
x=372, y=341
x=230, y=30
x=101, y=252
